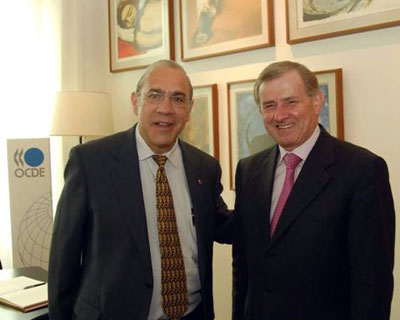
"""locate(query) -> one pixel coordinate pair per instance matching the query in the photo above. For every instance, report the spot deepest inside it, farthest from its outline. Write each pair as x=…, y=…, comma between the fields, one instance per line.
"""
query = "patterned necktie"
x=173, y=277
x=291, y=161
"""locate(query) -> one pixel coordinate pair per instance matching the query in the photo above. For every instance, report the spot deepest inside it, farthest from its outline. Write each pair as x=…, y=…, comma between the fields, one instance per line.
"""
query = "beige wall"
x=371, y=86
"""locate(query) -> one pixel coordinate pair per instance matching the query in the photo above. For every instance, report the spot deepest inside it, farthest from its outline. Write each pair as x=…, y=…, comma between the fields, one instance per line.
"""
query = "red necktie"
x=291, y=161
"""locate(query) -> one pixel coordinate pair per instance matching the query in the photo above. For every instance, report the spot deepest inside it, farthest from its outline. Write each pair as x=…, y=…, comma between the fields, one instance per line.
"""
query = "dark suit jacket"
x=100, y=265
x=331, y=256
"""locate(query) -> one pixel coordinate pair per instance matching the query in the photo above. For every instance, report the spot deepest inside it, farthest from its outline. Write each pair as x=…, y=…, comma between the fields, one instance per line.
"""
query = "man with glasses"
x=138, y=215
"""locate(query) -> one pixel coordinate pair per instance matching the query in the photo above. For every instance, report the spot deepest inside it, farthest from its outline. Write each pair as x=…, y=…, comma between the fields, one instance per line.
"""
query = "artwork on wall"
x=331, y=115
x=140, y=33
x=211, y=28
x=247, y=134
x=202, y=128
x=309, y=20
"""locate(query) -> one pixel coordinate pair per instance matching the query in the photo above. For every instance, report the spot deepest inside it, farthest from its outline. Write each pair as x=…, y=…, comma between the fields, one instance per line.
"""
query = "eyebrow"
x=285, y=100
x=268, y=102
x=290, y=98
x=174, y=93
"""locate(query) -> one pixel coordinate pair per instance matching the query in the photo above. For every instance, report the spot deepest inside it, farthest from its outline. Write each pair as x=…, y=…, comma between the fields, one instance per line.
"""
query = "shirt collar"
x=304, y=150
x=144, y=151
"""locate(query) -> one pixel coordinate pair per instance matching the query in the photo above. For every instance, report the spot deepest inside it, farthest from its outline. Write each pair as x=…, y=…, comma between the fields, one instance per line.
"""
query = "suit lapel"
x=311, y=180
x=263, y=180
x=125, y=174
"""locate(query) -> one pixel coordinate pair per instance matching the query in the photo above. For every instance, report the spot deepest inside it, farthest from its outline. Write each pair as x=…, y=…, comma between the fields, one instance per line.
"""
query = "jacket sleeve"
x=68, y=241
x=239, y=262
x=371, y=234
x=223, y=218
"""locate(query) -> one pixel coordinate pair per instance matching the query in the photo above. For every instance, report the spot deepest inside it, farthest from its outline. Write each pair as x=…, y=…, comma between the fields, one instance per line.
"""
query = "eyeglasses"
x=156, y=97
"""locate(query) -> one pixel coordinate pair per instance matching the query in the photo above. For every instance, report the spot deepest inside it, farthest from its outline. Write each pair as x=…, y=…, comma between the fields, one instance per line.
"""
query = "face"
x=161, y=112
x=290, y=115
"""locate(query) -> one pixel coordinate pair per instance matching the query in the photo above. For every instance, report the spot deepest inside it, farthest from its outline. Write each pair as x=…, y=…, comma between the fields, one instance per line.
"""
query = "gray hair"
x=166, y=63
x=277, y=69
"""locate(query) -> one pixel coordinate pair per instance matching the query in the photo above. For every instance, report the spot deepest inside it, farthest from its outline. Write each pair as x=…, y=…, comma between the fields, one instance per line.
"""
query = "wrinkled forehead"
x=287, y=82
x=167, y=78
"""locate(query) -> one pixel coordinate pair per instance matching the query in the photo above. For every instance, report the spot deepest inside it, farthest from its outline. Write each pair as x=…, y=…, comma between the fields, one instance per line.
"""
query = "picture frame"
x=308, y=21
x=224, y=27
x=202, y=128
x=139, y=36
x=247, y=134
x=331, y=115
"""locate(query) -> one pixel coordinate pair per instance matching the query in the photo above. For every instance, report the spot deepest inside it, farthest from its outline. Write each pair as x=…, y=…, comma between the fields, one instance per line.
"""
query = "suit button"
x=148, y=285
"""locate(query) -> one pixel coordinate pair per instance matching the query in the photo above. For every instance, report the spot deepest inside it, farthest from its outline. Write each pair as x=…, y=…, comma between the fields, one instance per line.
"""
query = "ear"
x=190, y=106
x=135, y=103
x=318, y=102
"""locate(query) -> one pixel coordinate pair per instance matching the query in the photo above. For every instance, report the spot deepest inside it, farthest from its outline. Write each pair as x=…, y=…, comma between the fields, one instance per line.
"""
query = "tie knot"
x=160, y=160
x=291, y=160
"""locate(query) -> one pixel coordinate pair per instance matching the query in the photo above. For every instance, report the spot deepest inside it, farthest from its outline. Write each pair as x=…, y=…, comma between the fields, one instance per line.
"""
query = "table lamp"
x=79, y=113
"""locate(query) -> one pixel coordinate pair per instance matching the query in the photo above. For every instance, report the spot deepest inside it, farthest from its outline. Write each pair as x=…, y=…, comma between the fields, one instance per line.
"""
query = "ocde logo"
x=33, y=157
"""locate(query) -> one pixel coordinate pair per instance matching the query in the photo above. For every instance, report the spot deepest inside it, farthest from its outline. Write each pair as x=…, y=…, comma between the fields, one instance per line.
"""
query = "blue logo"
x=34, y=157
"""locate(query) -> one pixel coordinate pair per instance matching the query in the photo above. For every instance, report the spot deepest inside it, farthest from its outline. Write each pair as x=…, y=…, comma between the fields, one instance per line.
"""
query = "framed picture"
x=247, y=134
x=213, y=28
x=331, y=116
x=140, y=33
x=309, y=20
x=202, y=128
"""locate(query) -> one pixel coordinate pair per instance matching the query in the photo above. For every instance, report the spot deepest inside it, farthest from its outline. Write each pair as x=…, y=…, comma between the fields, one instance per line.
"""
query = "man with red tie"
x=314, y=216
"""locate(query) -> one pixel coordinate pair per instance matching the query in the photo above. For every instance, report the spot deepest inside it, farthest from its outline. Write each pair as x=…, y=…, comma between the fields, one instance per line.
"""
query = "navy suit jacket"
x=331, y=256
x=100, y=265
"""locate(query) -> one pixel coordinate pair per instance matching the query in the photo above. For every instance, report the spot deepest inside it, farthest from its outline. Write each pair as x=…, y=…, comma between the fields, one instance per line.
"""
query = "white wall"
x=30, y=76
x=371, y=86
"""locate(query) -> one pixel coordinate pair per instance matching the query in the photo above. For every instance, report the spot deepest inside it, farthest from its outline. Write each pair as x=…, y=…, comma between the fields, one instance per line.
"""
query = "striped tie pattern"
x=173, y=277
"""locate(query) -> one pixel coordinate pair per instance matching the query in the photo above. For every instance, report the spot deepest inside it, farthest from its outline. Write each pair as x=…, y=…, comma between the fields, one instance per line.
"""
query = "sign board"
x=30, y=201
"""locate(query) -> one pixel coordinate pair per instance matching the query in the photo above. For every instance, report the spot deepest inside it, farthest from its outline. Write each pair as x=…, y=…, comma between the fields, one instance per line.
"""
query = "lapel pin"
x=199, y=181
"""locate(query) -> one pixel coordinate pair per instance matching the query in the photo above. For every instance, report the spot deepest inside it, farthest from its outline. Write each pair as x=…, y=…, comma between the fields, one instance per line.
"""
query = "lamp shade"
x=78, y=113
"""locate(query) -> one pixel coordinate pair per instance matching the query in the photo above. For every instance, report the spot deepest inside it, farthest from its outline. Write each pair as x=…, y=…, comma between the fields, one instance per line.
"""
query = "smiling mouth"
x=284, y=126
x=163, y=124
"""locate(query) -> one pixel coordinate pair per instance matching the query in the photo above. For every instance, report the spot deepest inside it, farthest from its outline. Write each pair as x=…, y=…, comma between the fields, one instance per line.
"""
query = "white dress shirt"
x=303, y=151
x=183, y=210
